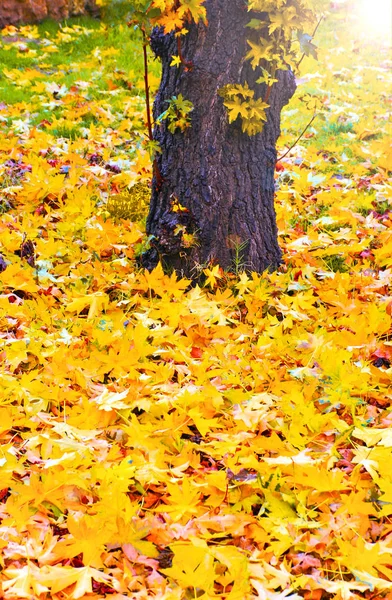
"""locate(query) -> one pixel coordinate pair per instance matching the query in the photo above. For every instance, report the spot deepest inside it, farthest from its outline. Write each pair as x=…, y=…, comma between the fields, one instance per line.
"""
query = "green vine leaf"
x=177, y=114
x=306, y=45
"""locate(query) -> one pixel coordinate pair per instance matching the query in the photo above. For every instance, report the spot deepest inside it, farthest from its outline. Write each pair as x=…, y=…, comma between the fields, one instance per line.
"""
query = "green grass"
x=12, y=59
x=76, y=59
x=117, y=10
x=335, y=128
x=11, y=94
x=336, y=263
x=66, y=130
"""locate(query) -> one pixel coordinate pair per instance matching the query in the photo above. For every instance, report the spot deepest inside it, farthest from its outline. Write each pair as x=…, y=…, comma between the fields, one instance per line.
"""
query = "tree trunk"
x=224, y=178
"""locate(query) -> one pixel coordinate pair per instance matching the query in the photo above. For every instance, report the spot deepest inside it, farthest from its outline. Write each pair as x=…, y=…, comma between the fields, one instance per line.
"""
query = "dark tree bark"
x=225, y=178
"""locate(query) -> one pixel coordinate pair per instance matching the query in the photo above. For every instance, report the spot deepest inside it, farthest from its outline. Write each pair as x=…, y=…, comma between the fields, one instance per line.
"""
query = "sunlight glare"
x=376, y=17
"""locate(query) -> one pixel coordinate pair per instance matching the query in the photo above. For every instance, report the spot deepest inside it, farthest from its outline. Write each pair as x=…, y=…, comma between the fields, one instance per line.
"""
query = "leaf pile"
x=174, y=442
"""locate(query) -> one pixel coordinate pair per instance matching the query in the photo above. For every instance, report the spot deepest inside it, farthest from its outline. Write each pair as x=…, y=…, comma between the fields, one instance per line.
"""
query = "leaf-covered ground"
x=231, y=441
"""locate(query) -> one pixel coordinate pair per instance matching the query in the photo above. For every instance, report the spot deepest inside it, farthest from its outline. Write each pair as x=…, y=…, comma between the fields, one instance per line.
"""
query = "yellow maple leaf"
x=176, y=61
x=259, y=51
x=237, y=107
x=184, y=499
x=212, y=275
x=193, y=567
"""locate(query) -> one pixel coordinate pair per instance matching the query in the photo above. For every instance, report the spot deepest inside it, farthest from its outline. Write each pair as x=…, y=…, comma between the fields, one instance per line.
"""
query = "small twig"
x=313, y=34
x=273, y=70
x=146, y=86
x=155, y=168
x=158, y=176
x=298, y=138
x=267, y=94
x=187, y=64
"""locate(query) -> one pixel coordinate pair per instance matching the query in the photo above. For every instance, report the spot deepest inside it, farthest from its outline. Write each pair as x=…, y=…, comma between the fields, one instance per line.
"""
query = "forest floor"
x=227, y=441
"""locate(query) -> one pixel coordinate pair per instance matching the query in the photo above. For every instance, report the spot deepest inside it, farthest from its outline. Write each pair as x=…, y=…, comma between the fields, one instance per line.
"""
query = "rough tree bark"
x=224, y=177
